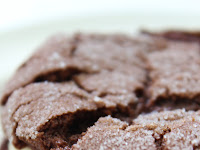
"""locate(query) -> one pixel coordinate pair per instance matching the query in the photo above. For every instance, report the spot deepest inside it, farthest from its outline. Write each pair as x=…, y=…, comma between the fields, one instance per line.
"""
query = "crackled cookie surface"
x=147, y=86
x=63, y=56
x=165, y=130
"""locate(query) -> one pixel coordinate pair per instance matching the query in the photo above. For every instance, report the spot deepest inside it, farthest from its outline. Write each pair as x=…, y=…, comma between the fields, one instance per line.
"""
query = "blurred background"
x=25, y=24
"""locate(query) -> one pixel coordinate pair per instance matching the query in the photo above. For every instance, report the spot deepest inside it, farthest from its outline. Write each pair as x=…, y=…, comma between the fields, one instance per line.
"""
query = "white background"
x=16, y=13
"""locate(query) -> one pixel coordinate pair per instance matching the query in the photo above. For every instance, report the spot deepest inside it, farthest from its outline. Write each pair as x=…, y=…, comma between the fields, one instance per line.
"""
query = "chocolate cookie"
x=47, y=115
x=63, y=56
x=165, y=130
x=110, y=133
x=177, y=129
x=174, y=80
x=55, y=98
x=177, y=35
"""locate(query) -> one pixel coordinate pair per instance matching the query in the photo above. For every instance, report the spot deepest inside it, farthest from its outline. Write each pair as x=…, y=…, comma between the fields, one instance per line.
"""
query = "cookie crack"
x=78, y=84
x=60, y=75
x=159, y=141
x=26, y=103
x=196, y=147
x=168, y=100
x=176, y=102
x=75, y=127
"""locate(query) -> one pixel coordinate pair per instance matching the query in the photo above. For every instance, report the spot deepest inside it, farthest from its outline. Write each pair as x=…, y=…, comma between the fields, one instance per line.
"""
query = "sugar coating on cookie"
x=147, y=86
